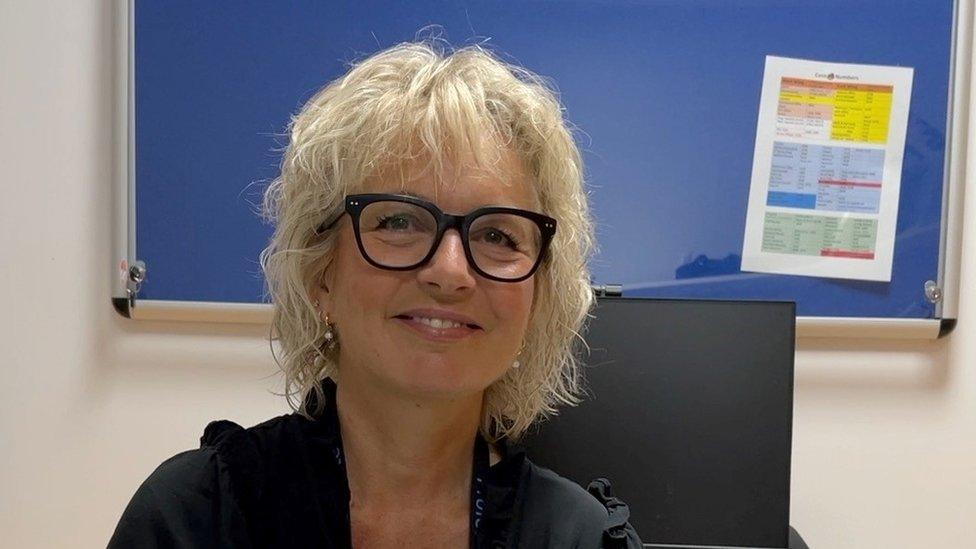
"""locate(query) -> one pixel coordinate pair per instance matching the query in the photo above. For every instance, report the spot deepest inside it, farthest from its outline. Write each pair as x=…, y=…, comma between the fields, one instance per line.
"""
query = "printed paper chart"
x=826, y=169
x=831, y=178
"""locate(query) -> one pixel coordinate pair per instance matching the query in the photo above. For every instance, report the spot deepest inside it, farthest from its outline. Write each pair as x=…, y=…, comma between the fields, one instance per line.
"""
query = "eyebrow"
x=415, y=195
x=431, y=200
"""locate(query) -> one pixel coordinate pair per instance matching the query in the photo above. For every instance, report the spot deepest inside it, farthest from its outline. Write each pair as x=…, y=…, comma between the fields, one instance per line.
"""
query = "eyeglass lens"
x=399, y=234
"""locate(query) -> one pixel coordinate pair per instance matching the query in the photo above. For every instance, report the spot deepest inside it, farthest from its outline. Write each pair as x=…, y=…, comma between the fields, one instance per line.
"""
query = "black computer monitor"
x=689, y=414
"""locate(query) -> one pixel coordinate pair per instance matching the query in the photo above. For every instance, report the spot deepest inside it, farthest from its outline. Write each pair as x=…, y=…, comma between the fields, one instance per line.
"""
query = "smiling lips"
x=439, y=325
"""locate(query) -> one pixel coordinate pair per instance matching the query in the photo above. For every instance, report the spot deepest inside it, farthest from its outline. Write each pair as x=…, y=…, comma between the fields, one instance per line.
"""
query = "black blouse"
x=283, y=484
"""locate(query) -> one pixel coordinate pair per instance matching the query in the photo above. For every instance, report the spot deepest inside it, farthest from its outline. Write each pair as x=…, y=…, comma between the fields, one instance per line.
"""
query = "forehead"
x=459, y=186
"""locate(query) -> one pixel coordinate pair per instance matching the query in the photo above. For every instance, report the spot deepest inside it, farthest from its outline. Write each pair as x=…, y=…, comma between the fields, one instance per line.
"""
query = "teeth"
x=438, y=322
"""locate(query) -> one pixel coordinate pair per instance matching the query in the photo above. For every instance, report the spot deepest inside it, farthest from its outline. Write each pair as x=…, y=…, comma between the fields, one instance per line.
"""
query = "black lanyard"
x=478, y=478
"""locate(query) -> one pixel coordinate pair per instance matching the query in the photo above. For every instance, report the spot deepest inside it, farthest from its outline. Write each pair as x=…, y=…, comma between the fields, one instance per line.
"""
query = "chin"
x=439, y=379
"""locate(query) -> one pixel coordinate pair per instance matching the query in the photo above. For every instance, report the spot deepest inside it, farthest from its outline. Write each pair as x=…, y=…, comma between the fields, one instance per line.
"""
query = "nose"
x=448, y=270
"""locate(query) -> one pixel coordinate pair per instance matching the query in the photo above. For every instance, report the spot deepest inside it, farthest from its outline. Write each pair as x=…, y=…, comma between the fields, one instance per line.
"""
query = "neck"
x=402, y=449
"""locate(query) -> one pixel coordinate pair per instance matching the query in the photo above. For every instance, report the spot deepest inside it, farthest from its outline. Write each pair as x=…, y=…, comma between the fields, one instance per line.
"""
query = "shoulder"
x=189, y=470
x=559, y=500
x=557, y=512
x=179, y=481
x=166, y=507
x=192, y=496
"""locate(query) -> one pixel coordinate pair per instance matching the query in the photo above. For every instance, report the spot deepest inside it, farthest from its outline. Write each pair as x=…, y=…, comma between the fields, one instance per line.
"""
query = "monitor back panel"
x=689, y=413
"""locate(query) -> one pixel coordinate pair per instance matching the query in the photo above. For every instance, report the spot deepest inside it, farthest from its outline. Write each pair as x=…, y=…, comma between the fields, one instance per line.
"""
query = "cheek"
x=515, y=304
x=366, y=298
x=359, y=288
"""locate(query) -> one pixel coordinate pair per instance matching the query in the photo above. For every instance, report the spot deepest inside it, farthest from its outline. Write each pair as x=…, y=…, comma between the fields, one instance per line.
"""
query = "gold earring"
x=329, y=333
x=516, y=363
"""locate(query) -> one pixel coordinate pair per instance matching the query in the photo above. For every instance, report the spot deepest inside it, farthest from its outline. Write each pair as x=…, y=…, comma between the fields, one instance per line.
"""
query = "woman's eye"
x=394, y=223
x=499, y=238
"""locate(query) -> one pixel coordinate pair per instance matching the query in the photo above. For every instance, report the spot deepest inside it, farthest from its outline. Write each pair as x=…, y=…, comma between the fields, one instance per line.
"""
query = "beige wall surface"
x=90, y=403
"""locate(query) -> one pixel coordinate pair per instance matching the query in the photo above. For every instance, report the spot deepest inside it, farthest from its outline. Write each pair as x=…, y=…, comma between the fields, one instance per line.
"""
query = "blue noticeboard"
x=665, y=94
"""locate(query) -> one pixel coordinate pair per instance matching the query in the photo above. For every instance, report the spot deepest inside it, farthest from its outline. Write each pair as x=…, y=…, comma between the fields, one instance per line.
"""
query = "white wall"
x=90, y=403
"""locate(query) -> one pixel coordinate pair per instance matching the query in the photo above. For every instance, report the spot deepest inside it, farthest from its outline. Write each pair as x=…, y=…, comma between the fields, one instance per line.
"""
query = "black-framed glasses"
x=400, y=233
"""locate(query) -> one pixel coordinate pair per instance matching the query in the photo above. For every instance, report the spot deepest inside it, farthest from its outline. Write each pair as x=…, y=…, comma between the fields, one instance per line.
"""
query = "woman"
x=427, y=308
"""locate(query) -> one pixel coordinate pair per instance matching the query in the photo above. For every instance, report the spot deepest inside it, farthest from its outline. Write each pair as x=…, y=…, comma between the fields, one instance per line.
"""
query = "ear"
x=321, y=292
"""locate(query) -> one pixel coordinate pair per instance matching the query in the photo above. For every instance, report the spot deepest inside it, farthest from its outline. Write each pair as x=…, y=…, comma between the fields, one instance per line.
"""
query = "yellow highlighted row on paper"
x=857, y=115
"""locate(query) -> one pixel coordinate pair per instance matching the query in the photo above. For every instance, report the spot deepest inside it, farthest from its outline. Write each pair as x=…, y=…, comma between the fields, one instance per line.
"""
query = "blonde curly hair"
x=426, y=99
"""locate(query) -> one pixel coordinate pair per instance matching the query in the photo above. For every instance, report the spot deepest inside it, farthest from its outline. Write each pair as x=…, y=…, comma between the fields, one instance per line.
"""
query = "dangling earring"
x=329, y=331
x=516, y=363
